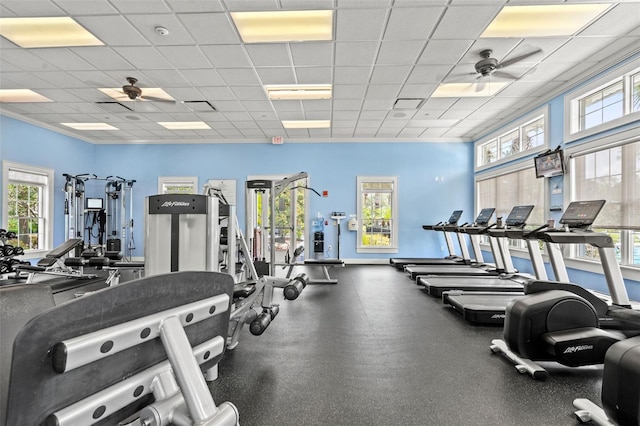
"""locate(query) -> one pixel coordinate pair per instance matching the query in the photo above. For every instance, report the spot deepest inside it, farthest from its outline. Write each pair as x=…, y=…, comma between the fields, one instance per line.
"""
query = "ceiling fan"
x=134, y=92
x=488, y=66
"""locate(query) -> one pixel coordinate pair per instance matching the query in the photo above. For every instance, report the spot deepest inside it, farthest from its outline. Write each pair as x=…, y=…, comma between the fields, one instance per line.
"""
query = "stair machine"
x=183, y=232
x=400, y=262
x=564, y=322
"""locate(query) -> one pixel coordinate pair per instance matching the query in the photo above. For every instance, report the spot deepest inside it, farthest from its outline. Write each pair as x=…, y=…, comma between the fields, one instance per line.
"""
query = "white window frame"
x=393, y=248
x=519, y=126
x=178, y=180
x=572, y=100
x=602, y=143
x=47, y=202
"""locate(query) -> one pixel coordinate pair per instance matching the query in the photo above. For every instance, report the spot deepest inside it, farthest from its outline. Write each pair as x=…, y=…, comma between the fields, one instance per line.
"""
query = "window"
x=612, y=174
x=517, y=142
x=608, y=102
x=513, y=188
x=177, y=185
x=27, y=199
x=377, y=214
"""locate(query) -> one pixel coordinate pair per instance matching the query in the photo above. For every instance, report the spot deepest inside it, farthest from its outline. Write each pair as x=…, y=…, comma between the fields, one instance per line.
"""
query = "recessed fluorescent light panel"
x=298, y=91
x=468, y=90
x=120, y=96
x=543, y=20
x=184, y=125
x=284, y=26
x=306, y=124
x=46, y=32
x=21, y=95
x=90, y=126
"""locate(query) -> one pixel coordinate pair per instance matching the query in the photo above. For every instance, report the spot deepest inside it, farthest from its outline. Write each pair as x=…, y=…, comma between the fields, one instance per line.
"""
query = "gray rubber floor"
x=375, y=350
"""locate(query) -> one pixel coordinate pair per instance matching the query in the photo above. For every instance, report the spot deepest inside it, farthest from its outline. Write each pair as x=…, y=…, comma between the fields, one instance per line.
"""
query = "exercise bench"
x=53, y=263
x=322, y=263
x=138, y=353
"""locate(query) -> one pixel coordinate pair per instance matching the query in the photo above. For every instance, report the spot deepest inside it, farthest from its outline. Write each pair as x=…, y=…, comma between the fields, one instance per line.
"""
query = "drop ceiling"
x=386, y=59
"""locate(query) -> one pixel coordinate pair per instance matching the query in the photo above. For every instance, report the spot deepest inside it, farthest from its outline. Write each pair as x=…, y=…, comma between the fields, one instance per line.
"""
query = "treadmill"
x=489, y=308
x=508, y=281
x=477, y=268
x=452, y=258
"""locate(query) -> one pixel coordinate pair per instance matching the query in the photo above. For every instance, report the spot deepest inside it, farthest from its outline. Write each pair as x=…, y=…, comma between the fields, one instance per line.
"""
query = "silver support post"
x=497, y=253
x=503, y=244
x=272, y=233
x=557, y=262
x=447, y=239
x=463, y=246
x=536, y=259
x=475, y=245
x=613, y=276
x=188, y=375
x=232, y=245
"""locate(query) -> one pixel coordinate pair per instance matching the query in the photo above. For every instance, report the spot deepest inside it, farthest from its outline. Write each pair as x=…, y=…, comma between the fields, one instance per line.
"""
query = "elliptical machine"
x=564, y=322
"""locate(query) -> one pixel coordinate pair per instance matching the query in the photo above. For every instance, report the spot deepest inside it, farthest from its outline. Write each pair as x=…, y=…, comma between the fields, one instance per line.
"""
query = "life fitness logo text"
x=574, y=349
x=175, y=204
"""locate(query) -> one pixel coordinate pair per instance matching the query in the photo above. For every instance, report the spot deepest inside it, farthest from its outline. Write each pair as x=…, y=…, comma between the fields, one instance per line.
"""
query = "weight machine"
x=119, y=215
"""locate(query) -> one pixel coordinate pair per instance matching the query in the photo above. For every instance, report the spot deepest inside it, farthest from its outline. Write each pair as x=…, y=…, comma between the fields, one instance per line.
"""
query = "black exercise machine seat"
x=328, y=262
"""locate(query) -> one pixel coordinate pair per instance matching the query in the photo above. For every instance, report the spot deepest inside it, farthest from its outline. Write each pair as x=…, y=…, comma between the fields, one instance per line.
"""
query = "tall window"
x=27, y=202
x=516, y=142
x=612, y=174
x=377, y=214
x=504, y=191
x=608, y=102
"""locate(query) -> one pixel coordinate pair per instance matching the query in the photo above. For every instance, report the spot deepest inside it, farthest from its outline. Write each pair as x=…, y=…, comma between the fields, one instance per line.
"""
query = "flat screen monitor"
x=455, y=217
x=518, y=215
x=484, y=216
x=549, y=164
x=94, y=203
x=582, y=213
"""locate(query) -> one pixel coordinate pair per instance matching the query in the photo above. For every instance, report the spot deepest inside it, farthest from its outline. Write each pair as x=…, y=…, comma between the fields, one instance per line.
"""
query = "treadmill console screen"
x=518, y=215
x=455, y=217
x=484, y=216
x=582, y=213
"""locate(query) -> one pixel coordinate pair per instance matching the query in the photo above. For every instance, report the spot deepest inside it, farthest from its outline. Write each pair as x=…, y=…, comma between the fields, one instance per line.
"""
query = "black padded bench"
x=100, y=359
x=322, y=263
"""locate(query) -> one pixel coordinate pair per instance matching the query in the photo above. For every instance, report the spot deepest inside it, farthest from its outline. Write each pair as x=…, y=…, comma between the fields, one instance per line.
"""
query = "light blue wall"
x=331, y=166
x=21, y=142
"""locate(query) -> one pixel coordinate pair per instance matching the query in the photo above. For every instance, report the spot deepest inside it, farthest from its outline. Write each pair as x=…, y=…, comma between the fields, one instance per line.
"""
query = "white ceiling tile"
x=383, y=91
x=239, y=76
x=390, y=74
x=282, y=106
x=32, y=8
x=249, y=93
x=144, y=57
x=317, y=115
x=347, y=104
x=60, y=95
x=347, y=115
x=578, y=48
x=210, y=28
x=146, y=24
x=409, y=132
x=412, y=23
x=102, y=58
x=399, y=52
x=314, y=75
x=184, y=56
x=439, y=52
x=615, y=46
x=226, y=106
x=428, y=74
x=184, y=93
x=24, y=80
x=350, y=26
x=113, y=30
x=259, y=106
x=356, y=53
x=277, y=75
x=618, y=20
x=417, y=90
x=317, y=105
x=312, y=54
x=377, y=104
x=203, y=77
x=338, y=123
x=353, y=91
x=466, y=22
x=195, y=6
x=348, y=75
x=251, y=5
x=25, y=60
x=239, y=116
x=227, y=55
x=269, y=55
x=320, y=133
x=163, y=78
x=75, y=7
x=63, y=59
x=140, y=6
x=365, y=4
x=373, y=115
x=59, y=79
x=222, y=93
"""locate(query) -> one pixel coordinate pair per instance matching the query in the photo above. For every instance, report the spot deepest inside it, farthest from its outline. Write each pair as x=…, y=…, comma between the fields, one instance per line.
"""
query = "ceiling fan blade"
x=480, y=86
x=503, y=74
x=154, y=99
x=517, y=59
